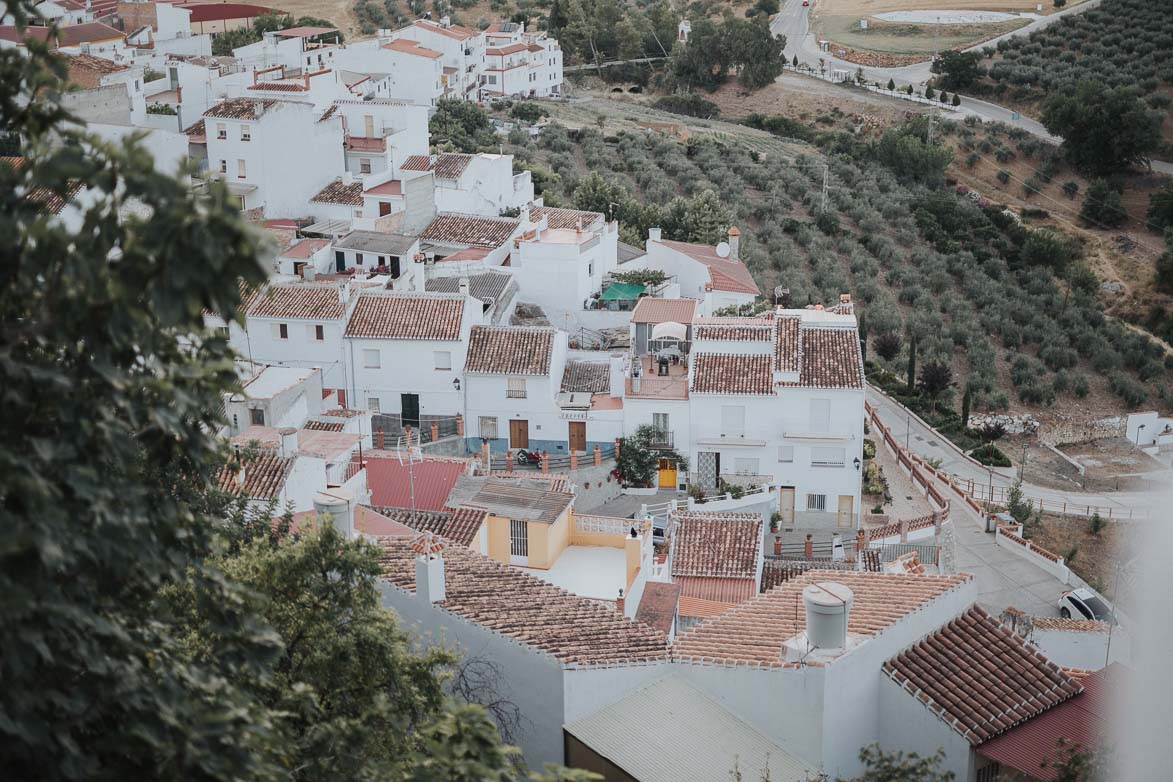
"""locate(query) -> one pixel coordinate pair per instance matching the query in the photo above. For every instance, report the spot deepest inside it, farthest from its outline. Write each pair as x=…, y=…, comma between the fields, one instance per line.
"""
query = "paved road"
x=793, y=21
x=921, y=439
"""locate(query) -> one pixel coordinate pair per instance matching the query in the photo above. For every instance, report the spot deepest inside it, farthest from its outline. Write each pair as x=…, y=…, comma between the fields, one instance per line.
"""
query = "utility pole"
x=1022, y=467
x=826, y=172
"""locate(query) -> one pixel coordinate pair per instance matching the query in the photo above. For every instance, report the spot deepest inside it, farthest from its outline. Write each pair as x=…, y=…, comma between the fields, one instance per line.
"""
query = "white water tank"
x=335, y=511
x=828, y=606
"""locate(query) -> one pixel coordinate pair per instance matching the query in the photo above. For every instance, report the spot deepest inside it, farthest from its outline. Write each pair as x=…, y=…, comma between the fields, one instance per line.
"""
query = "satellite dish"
x=723, y=249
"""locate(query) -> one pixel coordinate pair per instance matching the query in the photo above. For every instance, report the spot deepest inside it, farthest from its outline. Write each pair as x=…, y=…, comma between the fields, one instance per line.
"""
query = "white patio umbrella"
x=670, y=330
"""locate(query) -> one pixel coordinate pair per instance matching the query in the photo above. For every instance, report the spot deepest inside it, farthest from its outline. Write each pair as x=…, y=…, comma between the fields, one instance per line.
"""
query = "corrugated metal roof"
x=508, y=500
x=1082, y=721
x=670, y=730
x=391, y=485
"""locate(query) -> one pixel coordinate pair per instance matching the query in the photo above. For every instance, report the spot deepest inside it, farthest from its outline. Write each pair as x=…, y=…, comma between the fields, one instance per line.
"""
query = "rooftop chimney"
x=828, y=606
x=429, y=567
x=734, y=242
x=653, y=234
x=288, y=441
x=335, y=511
x=463, y=286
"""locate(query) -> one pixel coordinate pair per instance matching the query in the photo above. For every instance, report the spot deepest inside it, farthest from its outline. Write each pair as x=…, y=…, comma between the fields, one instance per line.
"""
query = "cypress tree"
x=911, y=363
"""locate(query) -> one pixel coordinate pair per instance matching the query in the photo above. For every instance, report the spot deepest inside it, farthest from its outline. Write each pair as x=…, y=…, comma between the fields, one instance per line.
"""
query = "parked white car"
x=1083, y=603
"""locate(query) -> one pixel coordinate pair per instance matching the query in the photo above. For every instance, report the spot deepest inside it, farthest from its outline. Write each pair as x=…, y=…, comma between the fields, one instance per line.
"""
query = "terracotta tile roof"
x=575, y=631
x=450, y=165
x=323, y=426
x=407, y=316
x=453, y=31
x=265, y=473
x=304, y=248
x=979, y=677
x=461, y=526
x=407, y=46
x=238, y=108
x=716, y=544
x=364, y=144
x=1069, y=625
x=567, y=218
x=304, y=32
x=699, y=607
x=786, y=356
x=717, y=589
x=392, y=187
x=89, y=62
x=831, y=358
x=652, y=310
x=503, y=50
x=279, y=86
x=520, y=503
x=657, y=607
x=472, y=230
x=309, y=302
x=724, y=373
x=417, y=163
x=198, y=128
x=510, y=350
x=390, y=482
x=586, y=377
x=1083, y=721
x=70, y=35
x=43, y=197
x=725, y=274
x=735, y=333
x=754, y=632
x=339, y=192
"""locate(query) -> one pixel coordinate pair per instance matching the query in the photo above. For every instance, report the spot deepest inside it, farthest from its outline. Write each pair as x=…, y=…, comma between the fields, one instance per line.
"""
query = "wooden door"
x=846, y=511
x=519, y=434
x=667, y=471
x=578, y=435
x=786, y=505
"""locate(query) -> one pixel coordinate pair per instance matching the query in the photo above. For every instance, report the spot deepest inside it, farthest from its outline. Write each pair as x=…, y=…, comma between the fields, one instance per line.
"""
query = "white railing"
x=606, y=525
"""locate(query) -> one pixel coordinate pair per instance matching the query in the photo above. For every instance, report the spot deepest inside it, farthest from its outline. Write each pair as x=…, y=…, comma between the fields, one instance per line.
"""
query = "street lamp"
x=856, y=463
x=456, y=383
x=1142, y=426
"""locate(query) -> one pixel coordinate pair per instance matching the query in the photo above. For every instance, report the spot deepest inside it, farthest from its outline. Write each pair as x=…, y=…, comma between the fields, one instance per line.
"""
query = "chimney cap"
x=734, y=230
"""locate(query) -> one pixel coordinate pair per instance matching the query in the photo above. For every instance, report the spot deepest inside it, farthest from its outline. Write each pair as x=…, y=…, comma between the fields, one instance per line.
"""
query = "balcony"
x=653, y=380
x=663, y=440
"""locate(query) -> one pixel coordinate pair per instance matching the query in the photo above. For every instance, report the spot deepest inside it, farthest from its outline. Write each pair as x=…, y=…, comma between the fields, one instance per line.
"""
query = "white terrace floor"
x=597, y=572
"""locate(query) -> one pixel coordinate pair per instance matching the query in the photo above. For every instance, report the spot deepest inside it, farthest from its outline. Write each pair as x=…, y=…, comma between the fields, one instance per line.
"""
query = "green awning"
x=622, y=291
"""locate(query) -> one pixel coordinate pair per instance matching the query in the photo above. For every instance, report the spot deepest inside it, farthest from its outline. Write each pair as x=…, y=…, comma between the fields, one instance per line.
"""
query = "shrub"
x=1003, y=176
x=689, y=104
x=1070, y=188
x=888, y=345
x=528, y=111
x=1102, y=206
x=990, y=455
x=1160, y=211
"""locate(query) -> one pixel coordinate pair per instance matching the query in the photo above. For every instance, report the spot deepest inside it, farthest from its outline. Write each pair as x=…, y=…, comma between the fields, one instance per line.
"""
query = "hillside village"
x=639, y=486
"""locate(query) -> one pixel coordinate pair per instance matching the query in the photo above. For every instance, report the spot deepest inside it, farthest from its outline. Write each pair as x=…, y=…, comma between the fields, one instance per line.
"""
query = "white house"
x=306, y=48
x=715, y=276
x=462, y=53
x=273, y=155
x=480, y=184
x=520, y=64
x=65, y=12
x=297, y=324
x=565, y=260
x=405, y=353
x=275, y=396
x=381, y=134
x=772, y=400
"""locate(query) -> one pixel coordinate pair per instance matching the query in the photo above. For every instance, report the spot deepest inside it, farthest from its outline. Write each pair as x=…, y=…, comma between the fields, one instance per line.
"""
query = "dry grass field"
x=858, y=8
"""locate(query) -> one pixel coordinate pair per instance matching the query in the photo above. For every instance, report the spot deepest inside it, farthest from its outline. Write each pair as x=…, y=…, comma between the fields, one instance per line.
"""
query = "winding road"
x=925, y=441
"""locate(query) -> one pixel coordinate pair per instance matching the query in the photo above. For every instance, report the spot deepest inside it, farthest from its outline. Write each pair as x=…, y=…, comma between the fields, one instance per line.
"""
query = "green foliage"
x=225, y=42
x=1017, y=504
x=1102, y=206
x=990, y=455
x=640, y=276
x=1070, y=188
x=528, y=111
x=1160, y=212
x=887, y=345
x=910, y=375
x=461, y=126
x=689, y=104
x=1104, y=130
x=779, y=126
x=1047, y=248
x=1165, y=263
x=162, y=108
x=881, y=766
x=745, y=47
x=959, y=70
x=909, y=156
x=1096, y=524
x=638, y=459
x=869, y=449
x=935, y=379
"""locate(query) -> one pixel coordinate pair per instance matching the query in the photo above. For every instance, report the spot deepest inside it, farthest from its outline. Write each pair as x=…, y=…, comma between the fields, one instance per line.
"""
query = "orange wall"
x=498, y=538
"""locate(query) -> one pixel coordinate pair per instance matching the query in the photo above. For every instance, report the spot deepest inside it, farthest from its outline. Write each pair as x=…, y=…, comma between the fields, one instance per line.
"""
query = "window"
x=590, y=269
x=488, y=427
x=372, y=359
x=820, y=415
x=515, y=388
x=364, y=165
x=223, y=166
x=373, y=403
x=358, y=259
x=239, y=169
x=221, y=130
x=660, y=422
x=828, y=457
x=280, y=331
x=816, y=502
x=320, y=333
x=518, y=538
x=246, y=133
x=222, y=332
x=256, y=416
x=785, y=453
x=442, y=359
x=745, y=465
x=733, y=421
